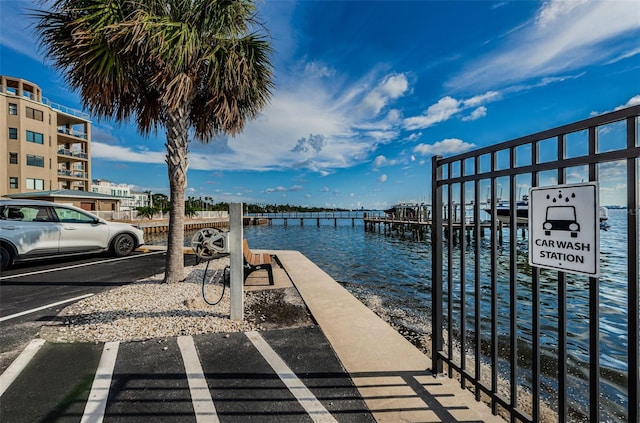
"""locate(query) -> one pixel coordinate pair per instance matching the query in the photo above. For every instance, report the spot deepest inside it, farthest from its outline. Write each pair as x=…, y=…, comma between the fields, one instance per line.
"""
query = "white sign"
x=564, y=228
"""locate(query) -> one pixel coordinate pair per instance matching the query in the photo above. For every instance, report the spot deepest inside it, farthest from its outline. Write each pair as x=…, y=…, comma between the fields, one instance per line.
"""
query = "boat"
x=603, y=214
x=409, y=212
x=503, y=212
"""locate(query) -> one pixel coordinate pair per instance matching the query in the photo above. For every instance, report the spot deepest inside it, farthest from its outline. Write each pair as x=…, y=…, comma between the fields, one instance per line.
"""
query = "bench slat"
x=256, y=261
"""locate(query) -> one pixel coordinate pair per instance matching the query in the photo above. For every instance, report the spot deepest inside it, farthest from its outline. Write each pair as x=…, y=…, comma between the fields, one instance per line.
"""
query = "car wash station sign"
x=564, y=228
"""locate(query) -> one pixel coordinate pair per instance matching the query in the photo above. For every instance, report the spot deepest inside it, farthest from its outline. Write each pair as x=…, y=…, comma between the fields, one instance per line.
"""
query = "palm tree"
x=197, y=68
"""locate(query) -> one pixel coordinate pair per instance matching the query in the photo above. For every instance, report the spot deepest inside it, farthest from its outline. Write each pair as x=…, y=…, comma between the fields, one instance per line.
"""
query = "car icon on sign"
x=561, y=218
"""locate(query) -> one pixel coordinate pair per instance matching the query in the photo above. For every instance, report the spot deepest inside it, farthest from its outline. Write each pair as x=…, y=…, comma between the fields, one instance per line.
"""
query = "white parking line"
x=12, y=372
x=97, y=402
x=44, y=307
x=75, y=266
x=305, y=397
x=200, y=394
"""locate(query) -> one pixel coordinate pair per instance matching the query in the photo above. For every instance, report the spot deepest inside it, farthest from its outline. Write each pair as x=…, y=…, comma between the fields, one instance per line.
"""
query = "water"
x=394, y=276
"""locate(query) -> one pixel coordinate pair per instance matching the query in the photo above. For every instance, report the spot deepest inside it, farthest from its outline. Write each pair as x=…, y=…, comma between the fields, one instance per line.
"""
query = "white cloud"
x=314, y=142
x=382, y=178
x=382, y=161
x=624, y=55
x=276, y=189
x=565, y=35
x=447, y=107
x=280, y=188
x=481, y=99
x=306, y=126
x=125, y=154
x=446, y=146
x=318, y=70
x=392, y=87
x=414, y=136
x=633, y=101
x=382, y=136
x=439, y=112
x=553, y=10
x=478, y=113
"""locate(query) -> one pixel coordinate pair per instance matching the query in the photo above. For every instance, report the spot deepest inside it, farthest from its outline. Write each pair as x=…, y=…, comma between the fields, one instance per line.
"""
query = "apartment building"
x=129, y=200
x=43, y=146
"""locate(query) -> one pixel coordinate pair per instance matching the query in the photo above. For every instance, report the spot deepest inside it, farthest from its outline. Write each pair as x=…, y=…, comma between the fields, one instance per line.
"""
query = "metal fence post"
x=236, y=261
x=633, y=223
x=436, y=266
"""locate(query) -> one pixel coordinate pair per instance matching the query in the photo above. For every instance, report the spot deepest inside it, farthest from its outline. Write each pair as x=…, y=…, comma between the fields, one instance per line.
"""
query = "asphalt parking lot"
x=149, y=381
x=272, y=376
x=32, y=294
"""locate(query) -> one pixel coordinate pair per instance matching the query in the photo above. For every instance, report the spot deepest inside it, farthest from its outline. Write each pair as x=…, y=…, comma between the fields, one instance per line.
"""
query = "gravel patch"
x=149, y=309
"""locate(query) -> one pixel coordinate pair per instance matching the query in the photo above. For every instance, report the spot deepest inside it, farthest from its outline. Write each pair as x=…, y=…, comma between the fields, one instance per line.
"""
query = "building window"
x=35, y=184
x=35, y=114
x=13, y=133
x=35, y=137
x=13, y=182
x=13, y=109
x=35, y=160
x=13, y=158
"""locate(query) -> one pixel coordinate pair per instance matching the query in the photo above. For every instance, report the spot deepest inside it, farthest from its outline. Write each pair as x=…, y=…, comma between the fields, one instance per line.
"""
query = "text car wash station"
x=564, y=228
x=564, y=246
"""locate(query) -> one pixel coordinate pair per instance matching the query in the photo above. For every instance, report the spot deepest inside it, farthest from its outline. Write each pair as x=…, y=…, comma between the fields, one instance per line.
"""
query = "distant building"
x=142, y=199
x=43, y=146
x=128, y=200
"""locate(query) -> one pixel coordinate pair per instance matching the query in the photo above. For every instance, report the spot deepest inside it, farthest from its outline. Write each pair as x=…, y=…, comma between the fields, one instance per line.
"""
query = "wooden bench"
x=256, y=261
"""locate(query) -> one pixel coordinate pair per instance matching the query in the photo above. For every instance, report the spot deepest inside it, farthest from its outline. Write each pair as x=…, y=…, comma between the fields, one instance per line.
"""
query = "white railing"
x=65, y=109
x=133, y=215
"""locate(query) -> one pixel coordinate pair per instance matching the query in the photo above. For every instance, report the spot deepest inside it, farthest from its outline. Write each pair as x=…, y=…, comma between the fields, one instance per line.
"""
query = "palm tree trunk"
x=177, y=142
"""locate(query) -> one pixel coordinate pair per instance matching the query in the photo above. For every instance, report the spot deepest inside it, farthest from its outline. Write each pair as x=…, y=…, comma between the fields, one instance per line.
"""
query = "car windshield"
x=561, y=213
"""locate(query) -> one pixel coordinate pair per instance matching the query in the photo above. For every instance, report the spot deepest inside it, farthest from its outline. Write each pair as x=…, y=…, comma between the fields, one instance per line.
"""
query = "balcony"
x=70, y=153
x=72, y=132
x=25, y=93
x=66, y=110
x=72, y=173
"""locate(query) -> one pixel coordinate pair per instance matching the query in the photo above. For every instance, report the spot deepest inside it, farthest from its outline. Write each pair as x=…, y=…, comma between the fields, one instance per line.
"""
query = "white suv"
x=31, y=230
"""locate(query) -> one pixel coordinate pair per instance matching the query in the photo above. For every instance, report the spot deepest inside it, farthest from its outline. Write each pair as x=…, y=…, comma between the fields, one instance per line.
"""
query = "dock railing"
x=335, y=216
x=513, y=333
x=313, y=215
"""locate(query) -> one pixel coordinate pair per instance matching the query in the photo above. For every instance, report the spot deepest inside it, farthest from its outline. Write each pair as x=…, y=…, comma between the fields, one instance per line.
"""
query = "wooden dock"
x=420, y=229
x=302, y=217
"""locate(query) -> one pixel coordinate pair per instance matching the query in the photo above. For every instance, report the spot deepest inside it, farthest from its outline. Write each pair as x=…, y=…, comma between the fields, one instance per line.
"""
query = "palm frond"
x=145, y=58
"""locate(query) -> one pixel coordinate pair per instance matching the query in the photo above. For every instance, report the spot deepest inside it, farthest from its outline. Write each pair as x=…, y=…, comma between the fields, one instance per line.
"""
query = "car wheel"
x=122, y=245
x=6, y=258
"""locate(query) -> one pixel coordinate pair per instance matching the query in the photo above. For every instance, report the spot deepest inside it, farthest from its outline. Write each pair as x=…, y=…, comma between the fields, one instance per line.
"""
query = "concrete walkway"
x=391, y=374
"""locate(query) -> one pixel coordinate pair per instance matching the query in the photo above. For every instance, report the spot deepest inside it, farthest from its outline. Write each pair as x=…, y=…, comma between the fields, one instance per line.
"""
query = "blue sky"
x=367, y=91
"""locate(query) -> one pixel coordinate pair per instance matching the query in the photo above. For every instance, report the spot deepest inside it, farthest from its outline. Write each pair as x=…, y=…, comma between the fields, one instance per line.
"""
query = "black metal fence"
x=536, y=343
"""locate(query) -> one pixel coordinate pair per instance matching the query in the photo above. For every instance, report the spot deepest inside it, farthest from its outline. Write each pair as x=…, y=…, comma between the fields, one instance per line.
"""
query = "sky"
x=367, y=91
